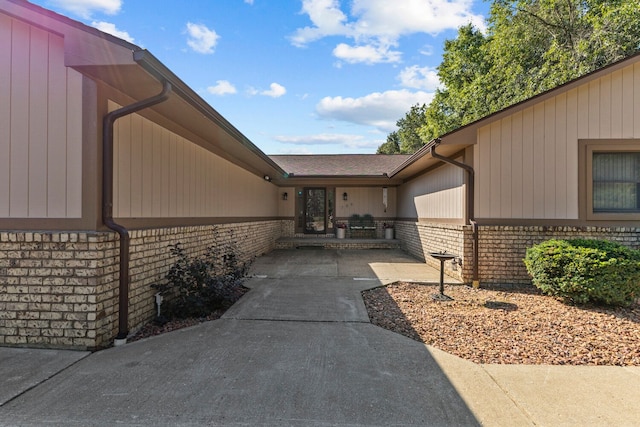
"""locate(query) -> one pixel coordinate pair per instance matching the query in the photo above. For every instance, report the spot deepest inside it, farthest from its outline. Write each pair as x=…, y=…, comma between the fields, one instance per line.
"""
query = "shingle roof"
x=339, y=164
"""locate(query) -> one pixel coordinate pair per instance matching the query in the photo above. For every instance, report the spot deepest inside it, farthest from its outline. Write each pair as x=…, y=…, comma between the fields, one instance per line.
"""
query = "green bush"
x=582, y=271
x=195, y=286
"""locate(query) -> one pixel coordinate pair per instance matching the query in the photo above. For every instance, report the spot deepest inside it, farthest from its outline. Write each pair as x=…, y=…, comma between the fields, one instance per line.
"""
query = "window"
x=616, y=182
x=609, y=179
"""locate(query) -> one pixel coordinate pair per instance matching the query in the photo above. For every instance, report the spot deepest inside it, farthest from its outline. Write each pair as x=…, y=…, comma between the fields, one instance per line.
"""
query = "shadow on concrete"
x=266, y=362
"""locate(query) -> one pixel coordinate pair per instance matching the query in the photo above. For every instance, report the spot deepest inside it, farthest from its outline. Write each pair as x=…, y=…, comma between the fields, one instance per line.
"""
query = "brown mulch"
x=509, y=326
x=156, y=328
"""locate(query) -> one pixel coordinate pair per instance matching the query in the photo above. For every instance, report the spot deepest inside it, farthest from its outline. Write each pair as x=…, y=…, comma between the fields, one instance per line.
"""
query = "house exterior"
x=107, y=158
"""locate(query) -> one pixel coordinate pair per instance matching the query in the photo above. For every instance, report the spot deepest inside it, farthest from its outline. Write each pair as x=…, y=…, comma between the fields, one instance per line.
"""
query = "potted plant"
x=341, y=230
x=388, y=230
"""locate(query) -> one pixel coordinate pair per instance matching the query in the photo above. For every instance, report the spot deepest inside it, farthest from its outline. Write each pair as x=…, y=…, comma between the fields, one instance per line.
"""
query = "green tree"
x=530, y=46
x=392, y=146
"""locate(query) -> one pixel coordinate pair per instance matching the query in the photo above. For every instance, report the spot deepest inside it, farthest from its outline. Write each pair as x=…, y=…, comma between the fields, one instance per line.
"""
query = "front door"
x=315, y=213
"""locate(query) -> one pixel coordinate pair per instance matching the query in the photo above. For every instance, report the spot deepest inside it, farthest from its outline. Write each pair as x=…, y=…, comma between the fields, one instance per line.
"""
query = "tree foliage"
x=530, y=46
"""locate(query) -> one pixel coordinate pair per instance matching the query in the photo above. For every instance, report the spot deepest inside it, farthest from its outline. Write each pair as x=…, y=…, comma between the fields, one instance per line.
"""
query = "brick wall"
x=421, y=238
x=56, y=288
x=60, y=290
x=502, y=248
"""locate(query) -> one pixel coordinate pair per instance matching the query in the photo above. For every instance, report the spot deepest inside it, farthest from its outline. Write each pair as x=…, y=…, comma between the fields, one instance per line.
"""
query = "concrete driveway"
x=298, y=350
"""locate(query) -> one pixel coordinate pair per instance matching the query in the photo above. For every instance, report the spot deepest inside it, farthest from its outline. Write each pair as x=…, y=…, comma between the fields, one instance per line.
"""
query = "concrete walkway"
x=298, y=350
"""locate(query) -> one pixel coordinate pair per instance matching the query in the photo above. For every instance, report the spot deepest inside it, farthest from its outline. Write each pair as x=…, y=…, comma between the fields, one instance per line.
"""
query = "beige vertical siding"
x=159, y=174
x=365, y=200
x=40, y=125
x=437, y=194
x=527, y=163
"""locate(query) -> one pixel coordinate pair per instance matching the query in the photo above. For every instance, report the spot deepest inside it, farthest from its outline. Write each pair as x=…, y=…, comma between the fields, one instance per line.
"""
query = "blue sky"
x=294, y=76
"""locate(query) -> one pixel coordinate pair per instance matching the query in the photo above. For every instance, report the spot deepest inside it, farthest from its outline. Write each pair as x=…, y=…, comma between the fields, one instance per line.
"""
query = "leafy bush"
x=582, y=271
x=198, y=285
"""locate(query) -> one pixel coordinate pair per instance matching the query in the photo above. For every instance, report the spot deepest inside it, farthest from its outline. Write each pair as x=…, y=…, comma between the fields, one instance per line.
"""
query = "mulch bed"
x=508, y=326
x=160, y=327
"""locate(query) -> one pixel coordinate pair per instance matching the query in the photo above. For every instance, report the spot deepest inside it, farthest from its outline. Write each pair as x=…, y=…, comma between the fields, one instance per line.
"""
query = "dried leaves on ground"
x=508, y=325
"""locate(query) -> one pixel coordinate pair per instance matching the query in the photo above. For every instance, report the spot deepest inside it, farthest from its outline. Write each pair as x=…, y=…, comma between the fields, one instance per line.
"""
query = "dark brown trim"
x=586, y=148
x=528, y=222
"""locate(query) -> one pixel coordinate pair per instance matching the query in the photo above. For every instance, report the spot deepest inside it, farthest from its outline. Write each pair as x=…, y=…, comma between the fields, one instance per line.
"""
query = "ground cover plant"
x=198, y=288
x=585, y=271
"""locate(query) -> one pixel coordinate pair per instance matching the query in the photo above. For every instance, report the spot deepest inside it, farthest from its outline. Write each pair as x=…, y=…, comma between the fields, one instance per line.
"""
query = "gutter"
x=107, y=202
x=470, y=202
x=154, y=67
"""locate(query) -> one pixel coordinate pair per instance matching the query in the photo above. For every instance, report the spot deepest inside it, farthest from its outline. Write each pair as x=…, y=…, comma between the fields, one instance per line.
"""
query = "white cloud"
x=368, y=54
x=344, y=140
x=248, y=1
x=378, y=24
x=201, y=39
x=275, y=91
x=327, y=18
x=222, y=87
x=380, y=110
x=295, y=150
x=85, y=8
x=416, y=77
x=110, y=28
x=427, y=50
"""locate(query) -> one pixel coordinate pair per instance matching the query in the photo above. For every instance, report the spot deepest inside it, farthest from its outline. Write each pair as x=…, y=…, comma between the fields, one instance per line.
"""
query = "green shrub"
x=582, y=271
x=197, y=285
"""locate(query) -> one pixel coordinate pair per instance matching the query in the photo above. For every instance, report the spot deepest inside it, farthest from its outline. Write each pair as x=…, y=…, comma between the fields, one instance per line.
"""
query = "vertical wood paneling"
x=560, y=158
x=628, y=116
x=75, y=119
x=604, y=107
x=5, y=113
x=516, y=166
x=56, y=155
x=173, y=176
x=616, y=104
x=180, y=147
x=156, y=149
x=483, y=177
x=528, y=148
x=136, y=166
x=147, y=169
x=506, y=161
x=124, y=166
x=536, y=150
x=164, y=177
x=549, y=178
x=496, y=164
x=38, y=66
x=19, y=176
x=118, y=137
x=583, y=112
x=538, y=161
x=572, y=154
x=594, y=109
x=40, y=125
x=438, y=194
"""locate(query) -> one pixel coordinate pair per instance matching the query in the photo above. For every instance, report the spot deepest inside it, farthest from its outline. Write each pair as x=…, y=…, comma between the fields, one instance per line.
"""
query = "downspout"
x=470, y=204
x=107, y=202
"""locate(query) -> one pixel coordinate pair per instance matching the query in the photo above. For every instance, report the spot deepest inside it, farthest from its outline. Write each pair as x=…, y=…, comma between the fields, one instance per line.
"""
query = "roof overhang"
x=137, y=74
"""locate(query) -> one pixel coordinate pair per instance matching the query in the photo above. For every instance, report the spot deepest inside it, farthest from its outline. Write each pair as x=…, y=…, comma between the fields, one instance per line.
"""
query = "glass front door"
x=315, y=210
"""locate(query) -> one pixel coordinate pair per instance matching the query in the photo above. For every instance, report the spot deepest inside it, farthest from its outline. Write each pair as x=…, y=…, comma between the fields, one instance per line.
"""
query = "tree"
x=530, y=46
x=392, y=146
x=406, y=139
